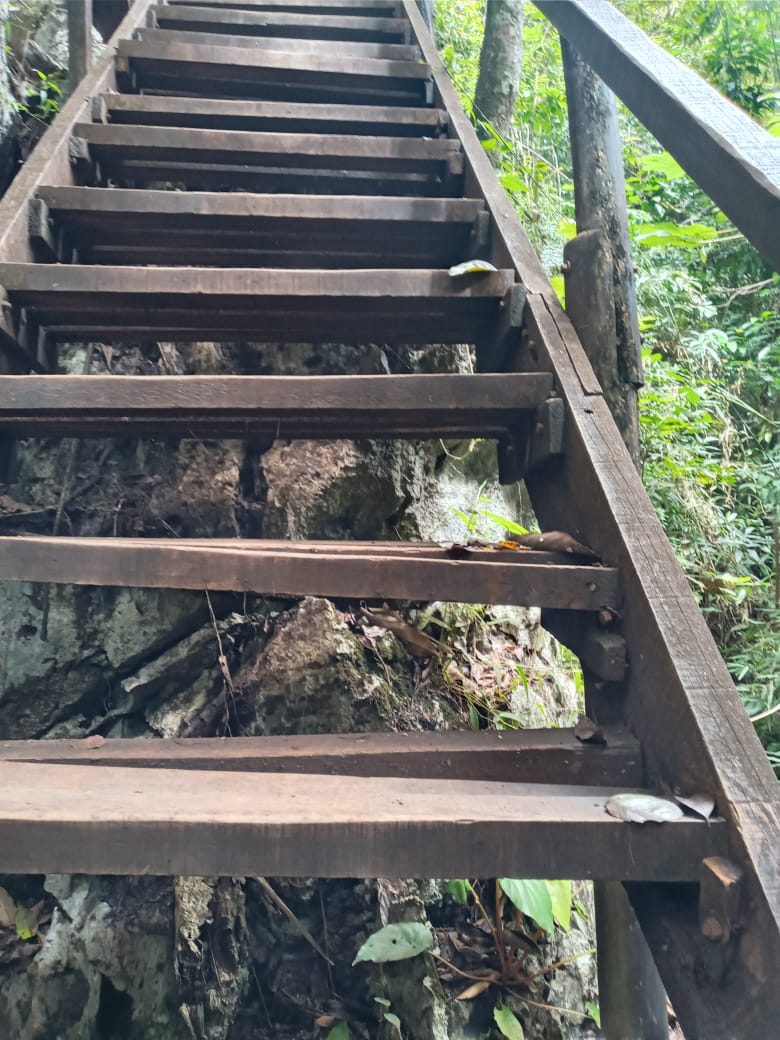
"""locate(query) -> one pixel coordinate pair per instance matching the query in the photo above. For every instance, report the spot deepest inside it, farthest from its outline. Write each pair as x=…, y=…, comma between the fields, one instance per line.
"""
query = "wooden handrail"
x=732, y=159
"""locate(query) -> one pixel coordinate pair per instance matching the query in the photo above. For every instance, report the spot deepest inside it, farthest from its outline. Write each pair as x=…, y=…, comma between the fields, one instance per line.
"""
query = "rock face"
x=222, y=959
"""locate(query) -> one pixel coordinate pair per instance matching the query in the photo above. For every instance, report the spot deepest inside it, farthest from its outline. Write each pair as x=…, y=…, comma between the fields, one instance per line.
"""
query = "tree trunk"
x=500, y=62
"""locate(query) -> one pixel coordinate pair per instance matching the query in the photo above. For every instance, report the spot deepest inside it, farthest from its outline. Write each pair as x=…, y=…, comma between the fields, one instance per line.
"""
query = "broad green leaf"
x=560, y=895
x=531, y=898
x=394, y=1020
x=680, y=236
x=395, y=942
x=339, y=1032
x=664, y=164
x=594, y=1011
x=383, y=1001
x=471, y=267
x=511, y=182
x=567, y=228
x=508, y=1023
x=459, y=890
x=503, y=521
x=558, y=282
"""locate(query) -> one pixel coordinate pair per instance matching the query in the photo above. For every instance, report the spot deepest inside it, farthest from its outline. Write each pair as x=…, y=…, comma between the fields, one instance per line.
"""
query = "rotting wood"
x=180, y=564
x=519, y=756
x=79, y=819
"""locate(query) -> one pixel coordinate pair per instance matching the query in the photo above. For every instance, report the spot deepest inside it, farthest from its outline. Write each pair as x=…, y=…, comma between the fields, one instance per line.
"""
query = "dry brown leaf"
x=10, y=505
x=415, y=641
x=325, y=1021
x=95, y=741
x=475, y=989
x=588, y=731
x=555, y=541
x=699, y=803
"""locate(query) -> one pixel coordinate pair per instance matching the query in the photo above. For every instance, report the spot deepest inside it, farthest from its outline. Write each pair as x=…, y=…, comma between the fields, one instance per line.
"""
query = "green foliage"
x=339, y=1032
x=508, y=1023
x=395, y=942
x=531, y=898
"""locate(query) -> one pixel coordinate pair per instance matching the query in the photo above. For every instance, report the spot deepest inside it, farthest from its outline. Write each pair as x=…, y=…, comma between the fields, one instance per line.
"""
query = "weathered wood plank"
x=680, y=697
x=112, y=820
x=389, y=9
x=30, y=281
x=123, y=226
x=221, y=63
x=283, y=21
x=320, y=151
x=164, y=563
x=512, y=756
x=733, y=159
x=49, y=162
x=349, y=49
x=289, y=117
x=406, y=406
x=109, y=202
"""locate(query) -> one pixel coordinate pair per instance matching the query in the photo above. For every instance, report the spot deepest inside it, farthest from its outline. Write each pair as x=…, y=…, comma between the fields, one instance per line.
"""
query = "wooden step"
x=285, y=20
x=366, y=571
x=359, y=9
x=125, y=226
x=511, y=756
x=277, y=116
x=311, y=407
x=187, y=304
x=117, y=149
x=115, y=820
x=260, y=44
x=237, y=72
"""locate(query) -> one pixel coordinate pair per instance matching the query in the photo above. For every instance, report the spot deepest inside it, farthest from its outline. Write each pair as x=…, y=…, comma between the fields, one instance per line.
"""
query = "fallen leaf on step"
x=643, y=808
x=701, y=804
x=415, y=641
x=471, y=267
x=10, y=505
x=95, y=741
x=325, y=1021
x=555, y=541
x=475, y=989
x=588, y=732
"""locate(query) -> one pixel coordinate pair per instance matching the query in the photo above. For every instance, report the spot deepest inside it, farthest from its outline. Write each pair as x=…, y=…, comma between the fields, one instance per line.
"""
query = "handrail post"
x=79, y=40
x=601, y=302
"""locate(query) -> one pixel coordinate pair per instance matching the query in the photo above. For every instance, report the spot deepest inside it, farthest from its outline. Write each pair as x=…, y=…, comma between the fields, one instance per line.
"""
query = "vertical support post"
x=79, y=40
x=632, y=999
x=601, y=302
x=600, y=206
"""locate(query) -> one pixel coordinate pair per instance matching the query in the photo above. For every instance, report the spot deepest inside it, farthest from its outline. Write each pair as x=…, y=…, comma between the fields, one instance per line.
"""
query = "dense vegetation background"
x=709, y=310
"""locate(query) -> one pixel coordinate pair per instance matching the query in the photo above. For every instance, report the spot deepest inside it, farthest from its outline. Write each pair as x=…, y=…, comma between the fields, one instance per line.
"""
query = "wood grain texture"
x=322, y=407
x=285, y=21
x=322, y=151
x=378, y=120
x=324, y=48
x=520, y=756
x=112, y=820
x=733, y=159
x=241, y=567
x=265, y=305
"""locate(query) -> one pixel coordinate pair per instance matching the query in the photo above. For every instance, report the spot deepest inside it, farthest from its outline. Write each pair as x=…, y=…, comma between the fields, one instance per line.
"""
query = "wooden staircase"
x=327, y=179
